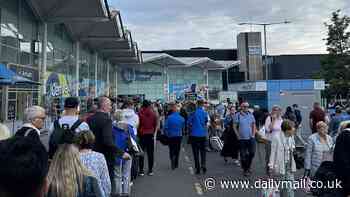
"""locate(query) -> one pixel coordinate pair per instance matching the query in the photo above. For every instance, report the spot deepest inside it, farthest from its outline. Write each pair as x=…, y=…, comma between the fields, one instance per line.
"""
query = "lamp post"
x=265, y=25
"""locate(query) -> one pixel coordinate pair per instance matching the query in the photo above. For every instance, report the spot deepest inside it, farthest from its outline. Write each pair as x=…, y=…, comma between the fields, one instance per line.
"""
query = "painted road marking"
x=187, y=159
x=191, y=170
x=198, y=188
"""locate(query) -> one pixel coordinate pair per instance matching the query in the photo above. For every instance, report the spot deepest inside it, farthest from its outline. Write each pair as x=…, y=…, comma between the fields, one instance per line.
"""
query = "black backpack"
x=62, y=134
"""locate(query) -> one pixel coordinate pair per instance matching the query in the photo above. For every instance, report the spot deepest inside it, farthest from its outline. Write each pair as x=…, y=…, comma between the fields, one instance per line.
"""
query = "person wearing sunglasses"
x=34, y=120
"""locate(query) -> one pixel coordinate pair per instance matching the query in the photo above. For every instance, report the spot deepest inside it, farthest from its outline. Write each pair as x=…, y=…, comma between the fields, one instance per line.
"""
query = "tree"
x=336, y=65
x=338, y=41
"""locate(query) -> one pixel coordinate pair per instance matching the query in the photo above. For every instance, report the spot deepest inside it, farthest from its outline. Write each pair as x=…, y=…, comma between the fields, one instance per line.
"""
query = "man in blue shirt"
x=197, y=123
x=173, y=128
x=245, y=129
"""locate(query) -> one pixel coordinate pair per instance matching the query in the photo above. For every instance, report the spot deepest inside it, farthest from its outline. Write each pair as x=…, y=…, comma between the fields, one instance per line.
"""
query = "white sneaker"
x=236, y=162
x=131, y=184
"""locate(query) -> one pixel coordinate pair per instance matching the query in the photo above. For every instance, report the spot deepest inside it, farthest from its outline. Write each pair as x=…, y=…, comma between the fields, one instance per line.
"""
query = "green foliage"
x=336, y=65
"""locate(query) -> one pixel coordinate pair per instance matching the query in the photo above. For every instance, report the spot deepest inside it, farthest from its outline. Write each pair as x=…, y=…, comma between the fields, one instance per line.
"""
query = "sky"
x=184, y=24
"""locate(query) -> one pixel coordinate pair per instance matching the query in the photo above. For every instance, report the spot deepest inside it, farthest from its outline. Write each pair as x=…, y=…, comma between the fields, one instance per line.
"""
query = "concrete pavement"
x=182, y=181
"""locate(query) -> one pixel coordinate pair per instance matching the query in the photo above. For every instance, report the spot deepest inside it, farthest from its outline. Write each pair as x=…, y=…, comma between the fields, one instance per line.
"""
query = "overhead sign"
x=26, y=72
x=248, y=86
x=131, y=74
x=254, y=50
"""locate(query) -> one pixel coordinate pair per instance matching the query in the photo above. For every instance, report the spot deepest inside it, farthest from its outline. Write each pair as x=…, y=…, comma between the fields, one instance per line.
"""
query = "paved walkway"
x=182, y=182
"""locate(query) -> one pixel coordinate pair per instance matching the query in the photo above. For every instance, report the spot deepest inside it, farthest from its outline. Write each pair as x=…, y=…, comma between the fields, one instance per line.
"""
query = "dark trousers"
x=174, y=151
x=134, y=167
x=147, y=145
x=247, y=152
x=198, y=148
x=110, y=165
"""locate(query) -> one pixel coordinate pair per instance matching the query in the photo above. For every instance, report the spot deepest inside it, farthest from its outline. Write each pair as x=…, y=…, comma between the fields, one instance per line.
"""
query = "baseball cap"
x=71, y=102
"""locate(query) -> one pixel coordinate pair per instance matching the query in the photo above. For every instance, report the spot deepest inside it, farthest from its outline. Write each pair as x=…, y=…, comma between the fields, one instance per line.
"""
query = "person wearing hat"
x=71, y=115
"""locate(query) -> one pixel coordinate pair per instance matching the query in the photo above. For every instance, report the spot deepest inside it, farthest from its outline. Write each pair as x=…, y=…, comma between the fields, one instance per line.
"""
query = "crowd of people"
x=101, y=153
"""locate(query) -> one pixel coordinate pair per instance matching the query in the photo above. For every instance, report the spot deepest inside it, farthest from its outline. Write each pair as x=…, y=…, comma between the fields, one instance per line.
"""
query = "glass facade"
x=147, y=80
x=102, y=77
x=60, y=70
x=19, y=52
x=150, y=80
x=113, y=80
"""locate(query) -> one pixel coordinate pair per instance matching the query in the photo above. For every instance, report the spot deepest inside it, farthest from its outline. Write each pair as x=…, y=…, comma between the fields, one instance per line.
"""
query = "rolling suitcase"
x=216, y=143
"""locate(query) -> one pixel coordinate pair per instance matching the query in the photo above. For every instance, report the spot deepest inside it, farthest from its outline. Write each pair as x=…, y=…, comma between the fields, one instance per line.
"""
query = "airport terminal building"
x=70, y=47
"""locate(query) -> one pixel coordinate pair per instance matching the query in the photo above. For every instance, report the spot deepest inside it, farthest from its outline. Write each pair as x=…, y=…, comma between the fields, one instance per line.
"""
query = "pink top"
x=276, y=128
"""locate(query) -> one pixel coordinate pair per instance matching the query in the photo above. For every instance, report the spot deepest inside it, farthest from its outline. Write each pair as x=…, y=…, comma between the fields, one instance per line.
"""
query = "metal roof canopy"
x=208, y=63
x=125, y=60
x=229, y=64
x=88, y=21
x=135, y=59
x=162, y=59
x=106, y=37
x=120, y=53
x=114, y=44
x=59, y=11
x=92, y=31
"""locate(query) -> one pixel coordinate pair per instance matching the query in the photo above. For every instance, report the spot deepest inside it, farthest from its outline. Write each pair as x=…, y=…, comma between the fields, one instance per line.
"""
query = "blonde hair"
x=86, y=139
x=4, y=132
x=66, y=172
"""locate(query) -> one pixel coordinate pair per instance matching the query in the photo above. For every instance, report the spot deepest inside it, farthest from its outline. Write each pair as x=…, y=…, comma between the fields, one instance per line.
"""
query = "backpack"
x=24, y=132
x=62, y=134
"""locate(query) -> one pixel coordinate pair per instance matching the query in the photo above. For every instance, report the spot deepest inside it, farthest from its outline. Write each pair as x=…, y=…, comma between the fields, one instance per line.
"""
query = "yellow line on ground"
x=198, y=188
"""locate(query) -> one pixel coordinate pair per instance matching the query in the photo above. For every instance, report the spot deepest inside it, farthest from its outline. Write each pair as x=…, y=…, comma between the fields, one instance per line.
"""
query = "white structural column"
x=44, y=60
x=207, y=82
x=166, y=83
x=108, y=82
x=96, y=64
x=77, y=65
x=116, y=81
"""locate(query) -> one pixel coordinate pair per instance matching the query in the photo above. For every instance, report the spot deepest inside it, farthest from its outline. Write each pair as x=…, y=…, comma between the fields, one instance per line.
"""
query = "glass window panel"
x=8, y=54
x=9, y=23
x=12, y=95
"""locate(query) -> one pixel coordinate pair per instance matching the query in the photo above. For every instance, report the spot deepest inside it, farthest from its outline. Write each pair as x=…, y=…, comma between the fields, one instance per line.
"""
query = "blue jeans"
x=122, y=176
x=247, y=152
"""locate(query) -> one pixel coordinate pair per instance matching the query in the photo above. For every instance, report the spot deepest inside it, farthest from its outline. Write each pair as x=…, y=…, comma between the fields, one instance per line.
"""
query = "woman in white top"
x=281, y=164
x=318, y=145
x=273, y=125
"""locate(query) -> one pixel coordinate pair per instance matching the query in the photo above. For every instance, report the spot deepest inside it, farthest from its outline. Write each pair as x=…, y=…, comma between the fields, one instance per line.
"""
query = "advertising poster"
x=59, y=85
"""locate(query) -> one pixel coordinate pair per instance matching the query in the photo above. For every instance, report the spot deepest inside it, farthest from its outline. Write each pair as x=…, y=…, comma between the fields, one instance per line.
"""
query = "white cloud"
x=182, y=24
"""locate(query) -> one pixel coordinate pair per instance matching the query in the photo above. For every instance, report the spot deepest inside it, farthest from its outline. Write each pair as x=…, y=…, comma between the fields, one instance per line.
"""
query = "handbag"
x=299, y=160
x=164, y=139
x=134, y=147
x=260, y=136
